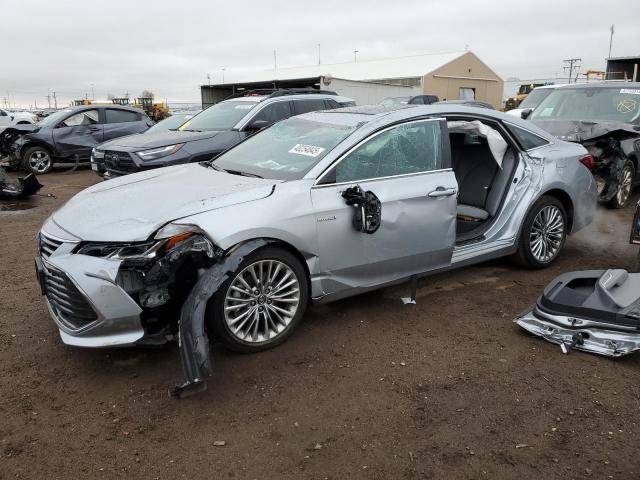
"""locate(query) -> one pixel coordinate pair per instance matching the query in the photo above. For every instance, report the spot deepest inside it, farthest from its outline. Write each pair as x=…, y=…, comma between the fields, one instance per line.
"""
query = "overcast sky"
x=169, y=47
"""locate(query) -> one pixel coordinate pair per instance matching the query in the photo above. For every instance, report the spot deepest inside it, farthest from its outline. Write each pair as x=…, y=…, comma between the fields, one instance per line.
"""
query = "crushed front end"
x=119, y=294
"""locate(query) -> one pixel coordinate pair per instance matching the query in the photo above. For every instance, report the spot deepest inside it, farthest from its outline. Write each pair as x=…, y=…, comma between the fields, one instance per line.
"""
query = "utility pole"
x=318, y=54
x=355, y=56
x=571, y=65
x=275, y=60
x=208, y=79
x=222, y=74
x=55, y=101
x=49, y=98
x=610, y=41
x=93, y=95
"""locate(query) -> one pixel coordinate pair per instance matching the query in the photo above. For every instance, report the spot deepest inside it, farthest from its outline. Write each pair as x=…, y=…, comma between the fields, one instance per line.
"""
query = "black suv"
x=69, y=134
x=211, y=132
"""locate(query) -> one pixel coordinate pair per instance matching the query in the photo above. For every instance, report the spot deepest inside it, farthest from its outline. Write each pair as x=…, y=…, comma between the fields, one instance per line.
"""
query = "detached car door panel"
x=78, y=134
x=407, y=168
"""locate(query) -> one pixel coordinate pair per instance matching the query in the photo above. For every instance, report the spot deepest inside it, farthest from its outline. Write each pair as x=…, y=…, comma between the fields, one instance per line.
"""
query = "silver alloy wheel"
x=39, y=161
x=624, y=189
x=261, y=301
x=547, y=233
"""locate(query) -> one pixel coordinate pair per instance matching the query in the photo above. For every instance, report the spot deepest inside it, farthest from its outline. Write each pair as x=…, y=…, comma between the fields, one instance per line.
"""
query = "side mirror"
x=257, y=125
x=525, y=113
x=12, y=117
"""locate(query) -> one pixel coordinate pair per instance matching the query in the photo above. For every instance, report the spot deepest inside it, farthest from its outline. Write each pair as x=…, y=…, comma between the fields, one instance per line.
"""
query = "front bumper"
x=72, y=280
x=594, y=337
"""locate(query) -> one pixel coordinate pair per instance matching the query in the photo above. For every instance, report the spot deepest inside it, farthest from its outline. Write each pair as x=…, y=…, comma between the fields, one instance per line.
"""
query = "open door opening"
x=483, y=163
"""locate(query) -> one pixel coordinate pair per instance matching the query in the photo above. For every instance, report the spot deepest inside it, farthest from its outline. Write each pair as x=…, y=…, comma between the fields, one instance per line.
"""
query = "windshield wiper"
x=232, y=172
x=240, y=172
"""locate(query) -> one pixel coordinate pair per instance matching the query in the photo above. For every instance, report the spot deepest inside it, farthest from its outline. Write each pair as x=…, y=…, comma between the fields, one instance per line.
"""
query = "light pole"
x=222, y=74
x=93, y=95
x=355, y=56
x=318, y=54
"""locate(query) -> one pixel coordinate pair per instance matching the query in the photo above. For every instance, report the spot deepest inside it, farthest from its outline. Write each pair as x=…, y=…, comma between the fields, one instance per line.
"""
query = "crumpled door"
x=78, y=134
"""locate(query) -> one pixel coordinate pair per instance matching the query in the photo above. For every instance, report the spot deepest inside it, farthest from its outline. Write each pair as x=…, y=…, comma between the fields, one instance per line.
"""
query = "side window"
x=332, y=104
x=120, y=116
x=3, y=113
x=527, y=139
x=408, y=148
x=86, y=117
x=275, y=112
x=304, y=106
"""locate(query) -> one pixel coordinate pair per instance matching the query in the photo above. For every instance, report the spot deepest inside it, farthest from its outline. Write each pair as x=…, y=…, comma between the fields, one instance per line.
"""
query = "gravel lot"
x=367, y=387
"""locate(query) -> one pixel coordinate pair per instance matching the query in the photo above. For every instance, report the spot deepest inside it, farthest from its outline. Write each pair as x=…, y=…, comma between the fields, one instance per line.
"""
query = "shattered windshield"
x=535, y=98
x=285, y=151
x=591, y=104
x=53, y=119
x=221, y=116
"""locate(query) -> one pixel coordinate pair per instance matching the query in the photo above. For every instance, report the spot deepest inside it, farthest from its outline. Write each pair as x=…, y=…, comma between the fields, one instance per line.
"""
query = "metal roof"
x=388, y=68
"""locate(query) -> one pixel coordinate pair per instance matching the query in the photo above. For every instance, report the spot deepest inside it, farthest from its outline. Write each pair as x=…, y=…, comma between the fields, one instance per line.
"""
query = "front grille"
x=67, y=302
x=119, y=161
x=47, y=245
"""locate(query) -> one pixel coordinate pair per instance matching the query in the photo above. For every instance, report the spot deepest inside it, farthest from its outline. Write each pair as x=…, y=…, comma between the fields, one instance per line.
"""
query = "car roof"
x=81, y=108
x=360, y=115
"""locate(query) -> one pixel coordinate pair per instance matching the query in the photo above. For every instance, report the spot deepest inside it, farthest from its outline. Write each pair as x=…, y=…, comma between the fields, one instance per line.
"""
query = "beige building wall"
x=467, y=71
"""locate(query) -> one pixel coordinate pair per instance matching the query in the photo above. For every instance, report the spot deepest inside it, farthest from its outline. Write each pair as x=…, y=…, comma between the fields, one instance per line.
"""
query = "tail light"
x=588, y=162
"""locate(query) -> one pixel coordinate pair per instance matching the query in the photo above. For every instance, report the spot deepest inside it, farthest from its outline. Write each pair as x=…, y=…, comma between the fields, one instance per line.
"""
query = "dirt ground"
x=366, y=388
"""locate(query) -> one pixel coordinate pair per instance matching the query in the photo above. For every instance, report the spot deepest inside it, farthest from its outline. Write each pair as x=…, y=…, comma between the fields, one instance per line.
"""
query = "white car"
x=9, y=118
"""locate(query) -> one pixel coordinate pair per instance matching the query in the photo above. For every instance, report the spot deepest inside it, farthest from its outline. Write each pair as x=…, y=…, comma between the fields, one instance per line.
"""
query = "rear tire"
x=627, y=176
x=37, y=160
x=543, y=234
x=262, y=302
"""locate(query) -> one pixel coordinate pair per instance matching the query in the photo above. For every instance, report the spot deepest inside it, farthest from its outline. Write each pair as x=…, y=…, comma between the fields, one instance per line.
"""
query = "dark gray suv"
x=209, y=133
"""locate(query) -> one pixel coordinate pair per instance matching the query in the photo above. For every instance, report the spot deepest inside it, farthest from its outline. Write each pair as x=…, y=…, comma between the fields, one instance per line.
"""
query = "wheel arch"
x=37, y=143
x=277, y=242
x=565, y=199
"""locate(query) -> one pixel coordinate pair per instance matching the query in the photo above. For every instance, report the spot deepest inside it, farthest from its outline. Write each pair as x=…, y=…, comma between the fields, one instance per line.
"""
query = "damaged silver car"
x=605, y=118
x=315, y=208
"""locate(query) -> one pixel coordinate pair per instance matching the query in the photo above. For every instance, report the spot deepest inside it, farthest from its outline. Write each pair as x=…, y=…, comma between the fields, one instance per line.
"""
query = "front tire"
x=543, y=234
x=37, y=160
x=262, y=302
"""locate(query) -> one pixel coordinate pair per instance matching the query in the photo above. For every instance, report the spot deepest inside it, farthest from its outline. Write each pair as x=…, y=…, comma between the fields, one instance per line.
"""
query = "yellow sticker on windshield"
x=626, y=105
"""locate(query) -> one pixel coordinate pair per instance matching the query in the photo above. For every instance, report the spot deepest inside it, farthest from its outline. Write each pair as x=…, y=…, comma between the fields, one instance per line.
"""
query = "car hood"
x=583, y=130
x=134, y=143
x=133, y=207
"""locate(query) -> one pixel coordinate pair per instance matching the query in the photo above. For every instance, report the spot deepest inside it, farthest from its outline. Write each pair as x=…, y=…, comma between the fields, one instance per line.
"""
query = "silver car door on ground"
x=407, y=167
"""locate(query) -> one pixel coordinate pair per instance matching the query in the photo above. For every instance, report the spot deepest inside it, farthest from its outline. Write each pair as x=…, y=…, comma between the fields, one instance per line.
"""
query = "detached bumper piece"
x=20, y=188
x=193, y=340
x=595, y=311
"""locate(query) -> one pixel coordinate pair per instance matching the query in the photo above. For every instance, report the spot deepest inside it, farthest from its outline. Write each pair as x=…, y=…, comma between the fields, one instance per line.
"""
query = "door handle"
x=442, y=192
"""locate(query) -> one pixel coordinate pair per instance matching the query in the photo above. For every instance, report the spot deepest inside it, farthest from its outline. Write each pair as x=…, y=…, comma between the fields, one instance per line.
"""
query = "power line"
x=571, y=65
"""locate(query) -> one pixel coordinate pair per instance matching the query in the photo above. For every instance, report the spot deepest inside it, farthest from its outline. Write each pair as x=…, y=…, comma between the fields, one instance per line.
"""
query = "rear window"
x=527, y=139
x=304, y=106
x=120, y=116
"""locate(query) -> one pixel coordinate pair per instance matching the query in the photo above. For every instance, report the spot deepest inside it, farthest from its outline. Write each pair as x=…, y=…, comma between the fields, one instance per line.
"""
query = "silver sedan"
x=315, y=208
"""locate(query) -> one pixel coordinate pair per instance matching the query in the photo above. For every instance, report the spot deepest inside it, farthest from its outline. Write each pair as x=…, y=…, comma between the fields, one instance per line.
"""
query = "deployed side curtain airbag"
x=497, y=144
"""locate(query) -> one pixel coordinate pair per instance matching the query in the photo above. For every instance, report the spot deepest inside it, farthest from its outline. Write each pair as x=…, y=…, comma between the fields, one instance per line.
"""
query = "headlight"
x=155, y=153
x=97, y=153
x=138, y=250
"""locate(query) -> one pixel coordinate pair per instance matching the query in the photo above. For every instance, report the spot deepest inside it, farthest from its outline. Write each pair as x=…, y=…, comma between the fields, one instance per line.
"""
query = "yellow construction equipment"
x=523, y=91
x=156, y=111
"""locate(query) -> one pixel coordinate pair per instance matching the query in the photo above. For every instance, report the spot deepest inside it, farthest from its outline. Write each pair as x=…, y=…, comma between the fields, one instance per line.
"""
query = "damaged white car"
x=315, y=208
